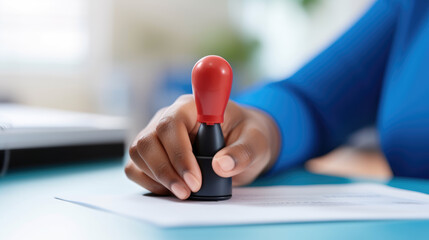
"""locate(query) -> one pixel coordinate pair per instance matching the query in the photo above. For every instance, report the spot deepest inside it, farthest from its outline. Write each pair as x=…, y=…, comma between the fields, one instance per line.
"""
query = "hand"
x=162, y=158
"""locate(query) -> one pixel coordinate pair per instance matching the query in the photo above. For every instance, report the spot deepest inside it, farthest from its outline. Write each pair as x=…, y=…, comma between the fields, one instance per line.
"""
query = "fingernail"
x=179, y=190
x=191, y=181
x=226, y=163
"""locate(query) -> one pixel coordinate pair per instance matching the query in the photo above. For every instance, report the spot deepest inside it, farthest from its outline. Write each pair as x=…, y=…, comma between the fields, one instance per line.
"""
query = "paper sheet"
x=276, y=204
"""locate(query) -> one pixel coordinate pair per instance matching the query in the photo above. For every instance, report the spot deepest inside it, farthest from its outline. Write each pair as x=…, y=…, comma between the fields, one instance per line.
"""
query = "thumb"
x=234, y=159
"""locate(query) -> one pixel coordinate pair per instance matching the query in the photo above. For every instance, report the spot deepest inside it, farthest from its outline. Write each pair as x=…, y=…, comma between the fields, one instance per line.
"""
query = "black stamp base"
x=208, y=141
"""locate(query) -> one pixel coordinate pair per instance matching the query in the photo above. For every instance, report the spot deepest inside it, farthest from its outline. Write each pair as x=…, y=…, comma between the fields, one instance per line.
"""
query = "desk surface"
x=28, y=210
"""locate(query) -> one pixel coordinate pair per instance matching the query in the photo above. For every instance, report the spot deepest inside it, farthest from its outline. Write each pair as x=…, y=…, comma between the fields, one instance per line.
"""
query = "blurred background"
x=131, y=57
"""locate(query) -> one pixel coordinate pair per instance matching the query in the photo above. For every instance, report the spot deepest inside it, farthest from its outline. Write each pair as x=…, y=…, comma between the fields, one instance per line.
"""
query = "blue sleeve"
x=334, y=94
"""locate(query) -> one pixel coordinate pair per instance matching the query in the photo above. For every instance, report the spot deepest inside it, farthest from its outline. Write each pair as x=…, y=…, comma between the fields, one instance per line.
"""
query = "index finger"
x=174, y=130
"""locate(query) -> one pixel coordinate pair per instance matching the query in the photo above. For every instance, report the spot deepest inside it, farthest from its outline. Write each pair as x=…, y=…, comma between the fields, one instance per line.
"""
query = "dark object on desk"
x=211, y=85
x=32, y=137
x=49, y=156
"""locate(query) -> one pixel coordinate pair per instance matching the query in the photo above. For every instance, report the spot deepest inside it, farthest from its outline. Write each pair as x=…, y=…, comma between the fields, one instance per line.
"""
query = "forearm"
x=334, y=94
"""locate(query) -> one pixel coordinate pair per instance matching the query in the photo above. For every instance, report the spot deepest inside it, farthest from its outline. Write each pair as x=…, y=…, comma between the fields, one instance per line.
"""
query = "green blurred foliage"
x=230, y=44
x=308, y=4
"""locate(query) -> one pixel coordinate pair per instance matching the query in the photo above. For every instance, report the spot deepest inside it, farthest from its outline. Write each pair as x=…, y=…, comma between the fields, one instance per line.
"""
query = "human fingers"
x=135, y=174
x=250, y=147
x=173, y=131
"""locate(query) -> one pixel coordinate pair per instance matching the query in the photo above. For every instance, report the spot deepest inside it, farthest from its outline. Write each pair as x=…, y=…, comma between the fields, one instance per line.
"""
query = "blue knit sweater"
x=376, y=73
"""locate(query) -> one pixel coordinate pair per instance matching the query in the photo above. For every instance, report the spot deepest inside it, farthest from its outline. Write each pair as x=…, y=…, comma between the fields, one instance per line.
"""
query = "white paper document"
x=276, y=204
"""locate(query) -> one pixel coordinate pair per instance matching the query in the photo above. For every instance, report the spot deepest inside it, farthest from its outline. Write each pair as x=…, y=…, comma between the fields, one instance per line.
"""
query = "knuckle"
x=179, y=155
x=163, y=173
x=144, y=145
x=128, y=169
x=164, y=124
x=157, y=116
x=185, y=98
x=132, y=151
x=180, y=161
